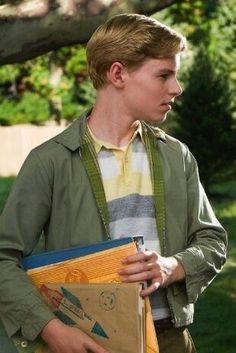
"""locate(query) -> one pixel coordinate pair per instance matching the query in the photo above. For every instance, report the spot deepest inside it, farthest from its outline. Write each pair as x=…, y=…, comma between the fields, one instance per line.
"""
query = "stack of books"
x=82, y=286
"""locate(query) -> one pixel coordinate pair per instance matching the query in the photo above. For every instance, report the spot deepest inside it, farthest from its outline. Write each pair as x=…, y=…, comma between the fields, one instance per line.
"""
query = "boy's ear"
x=116, y=74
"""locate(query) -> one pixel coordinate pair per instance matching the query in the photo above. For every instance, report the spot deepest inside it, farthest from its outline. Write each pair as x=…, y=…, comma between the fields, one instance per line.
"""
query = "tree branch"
x=35, y=27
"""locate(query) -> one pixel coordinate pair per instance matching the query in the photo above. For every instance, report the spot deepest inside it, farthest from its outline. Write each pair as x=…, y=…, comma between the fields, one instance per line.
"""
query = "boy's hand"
x=62, y=338
x=149, y=265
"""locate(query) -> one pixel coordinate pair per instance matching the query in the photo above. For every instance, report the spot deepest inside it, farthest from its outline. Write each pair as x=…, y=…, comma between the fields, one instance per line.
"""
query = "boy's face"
x=150, y=90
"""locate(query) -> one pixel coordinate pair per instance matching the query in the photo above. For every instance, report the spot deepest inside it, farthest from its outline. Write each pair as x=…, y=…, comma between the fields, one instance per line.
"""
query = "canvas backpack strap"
x=89, y=158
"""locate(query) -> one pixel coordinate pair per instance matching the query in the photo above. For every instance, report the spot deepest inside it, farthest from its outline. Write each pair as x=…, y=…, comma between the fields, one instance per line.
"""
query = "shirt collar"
x=72, y=137
x=98, y=144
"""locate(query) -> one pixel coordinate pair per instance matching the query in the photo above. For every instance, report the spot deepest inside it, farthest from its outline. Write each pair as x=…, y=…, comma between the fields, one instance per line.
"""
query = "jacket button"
x=24, y=344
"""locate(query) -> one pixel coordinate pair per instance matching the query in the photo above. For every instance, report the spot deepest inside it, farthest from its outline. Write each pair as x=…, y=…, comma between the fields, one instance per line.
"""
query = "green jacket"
x=53, y=193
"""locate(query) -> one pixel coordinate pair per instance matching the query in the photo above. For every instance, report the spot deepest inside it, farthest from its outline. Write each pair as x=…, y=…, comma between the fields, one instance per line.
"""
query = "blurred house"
x=18, y=140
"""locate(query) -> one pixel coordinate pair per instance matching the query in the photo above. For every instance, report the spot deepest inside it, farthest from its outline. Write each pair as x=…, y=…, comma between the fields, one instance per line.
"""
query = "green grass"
x=226, y=189
x=215, y=319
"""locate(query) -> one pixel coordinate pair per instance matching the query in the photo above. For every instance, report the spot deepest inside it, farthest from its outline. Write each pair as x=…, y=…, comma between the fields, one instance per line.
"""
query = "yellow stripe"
x=128, y=181
x=121, y=186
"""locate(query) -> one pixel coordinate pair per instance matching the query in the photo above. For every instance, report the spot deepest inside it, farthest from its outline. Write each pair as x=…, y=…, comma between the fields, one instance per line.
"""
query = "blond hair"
x=129, y=39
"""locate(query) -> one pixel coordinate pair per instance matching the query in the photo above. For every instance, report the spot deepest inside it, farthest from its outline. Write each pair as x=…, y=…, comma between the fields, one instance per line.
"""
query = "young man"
x=109, y=175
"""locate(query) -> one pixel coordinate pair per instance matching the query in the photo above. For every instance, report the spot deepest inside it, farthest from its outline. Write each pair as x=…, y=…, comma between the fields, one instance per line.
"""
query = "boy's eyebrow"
x=167, y=71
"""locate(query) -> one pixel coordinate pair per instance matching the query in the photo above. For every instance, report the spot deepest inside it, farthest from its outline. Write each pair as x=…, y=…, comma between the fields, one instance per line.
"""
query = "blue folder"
x=55, y=256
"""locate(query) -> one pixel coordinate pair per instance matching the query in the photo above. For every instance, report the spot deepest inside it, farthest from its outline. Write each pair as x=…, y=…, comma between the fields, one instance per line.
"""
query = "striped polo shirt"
x=128, y=189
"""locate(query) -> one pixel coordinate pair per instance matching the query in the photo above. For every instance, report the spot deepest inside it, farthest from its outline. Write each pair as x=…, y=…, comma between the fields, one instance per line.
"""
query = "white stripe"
x=131, y=226
x=160, y=313
x=153, y=245
x=140, y=162
x=109, y=167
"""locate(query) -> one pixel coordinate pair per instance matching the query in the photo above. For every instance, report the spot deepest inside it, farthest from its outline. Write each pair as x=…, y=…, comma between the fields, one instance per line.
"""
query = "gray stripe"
x=158, y=301
x=131, y=226
x=133, y=205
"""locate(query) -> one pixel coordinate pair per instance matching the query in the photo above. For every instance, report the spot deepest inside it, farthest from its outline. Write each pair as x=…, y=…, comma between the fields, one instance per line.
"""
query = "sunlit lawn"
x=215, y=319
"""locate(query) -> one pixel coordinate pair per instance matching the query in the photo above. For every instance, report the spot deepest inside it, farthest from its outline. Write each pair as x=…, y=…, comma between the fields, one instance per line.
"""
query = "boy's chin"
x=155, y=121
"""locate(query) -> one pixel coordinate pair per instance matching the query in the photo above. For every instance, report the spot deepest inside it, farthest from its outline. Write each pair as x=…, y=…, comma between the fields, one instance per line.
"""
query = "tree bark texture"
x=34, y=27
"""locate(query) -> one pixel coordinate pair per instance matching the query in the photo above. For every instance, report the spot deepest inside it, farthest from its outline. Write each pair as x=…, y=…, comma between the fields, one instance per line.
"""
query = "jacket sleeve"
x=21, y=223
x=207, y=240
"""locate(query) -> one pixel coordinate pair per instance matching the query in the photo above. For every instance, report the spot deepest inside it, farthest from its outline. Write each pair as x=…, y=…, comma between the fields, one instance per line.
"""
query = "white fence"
x=18, y=140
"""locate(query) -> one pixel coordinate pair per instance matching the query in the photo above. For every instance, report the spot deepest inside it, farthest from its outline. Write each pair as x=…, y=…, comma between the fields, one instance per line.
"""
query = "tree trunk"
x=35, y=27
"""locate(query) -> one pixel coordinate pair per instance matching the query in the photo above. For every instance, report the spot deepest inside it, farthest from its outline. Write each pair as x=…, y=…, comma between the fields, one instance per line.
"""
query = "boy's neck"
x=109, y=122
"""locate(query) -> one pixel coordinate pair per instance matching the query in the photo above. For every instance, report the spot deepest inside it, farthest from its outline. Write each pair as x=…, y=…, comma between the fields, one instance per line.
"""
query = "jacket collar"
x=72, y=137
x=156, y=131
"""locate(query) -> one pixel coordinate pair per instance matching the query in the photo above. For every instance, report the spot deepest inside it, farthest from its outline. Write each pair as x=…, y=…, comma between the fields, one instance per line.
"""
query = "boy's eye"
x=164, y=76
